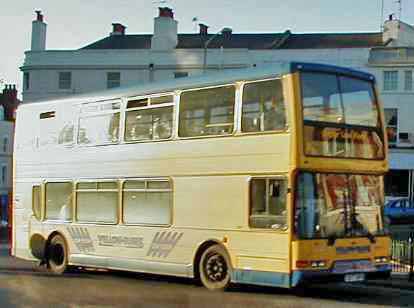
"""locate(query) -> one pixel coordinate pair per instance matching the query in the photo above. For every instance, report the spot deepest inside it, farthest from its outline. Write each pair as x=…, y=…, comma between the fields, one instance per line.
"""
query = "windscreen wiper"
x=371, y=237
x=331, y=240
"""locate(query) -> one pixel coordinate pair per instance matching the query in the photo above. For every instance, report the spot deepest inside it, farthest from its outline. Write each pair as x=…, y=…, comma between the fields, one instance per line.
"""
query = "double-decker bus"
x=269, y=176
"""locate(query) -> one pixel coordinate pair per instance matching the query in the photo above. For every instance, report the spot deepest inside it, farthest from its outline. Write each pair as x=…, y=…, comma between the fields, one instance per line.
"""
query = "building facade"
x=8, y=105
x=122, y=59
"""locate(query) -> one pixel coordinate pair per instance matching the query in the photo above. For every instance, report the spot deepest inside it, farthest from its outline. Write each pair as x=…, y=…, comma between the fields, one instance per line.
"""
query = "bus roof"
x=222, y=77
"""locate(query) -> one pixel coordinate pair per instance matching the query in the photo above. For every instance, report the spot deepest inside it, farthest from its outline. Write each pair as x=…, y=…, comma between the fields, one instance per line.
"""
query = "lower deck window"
x=97, y=202
x=36, y=199
x=268, y=203
x=147, y=202
x=59, y=201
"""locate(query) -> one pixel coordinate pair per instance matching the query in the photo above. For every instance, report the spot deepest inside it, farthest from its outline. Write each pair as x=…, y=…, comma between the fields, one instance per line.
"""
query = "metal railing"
x=402, y=255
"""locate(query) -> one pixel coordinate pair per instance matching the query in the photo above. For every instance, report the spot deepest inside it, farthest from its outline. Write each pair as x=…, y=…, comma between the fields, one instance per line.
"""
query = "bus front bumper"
x=303, y=277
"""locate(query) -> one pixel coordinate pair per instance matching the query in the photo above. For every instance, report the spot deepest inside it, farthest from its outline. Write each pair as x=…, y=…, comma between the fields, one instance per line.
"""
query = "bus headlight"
x=316, y=264
x=381, y=259
x=312, y=264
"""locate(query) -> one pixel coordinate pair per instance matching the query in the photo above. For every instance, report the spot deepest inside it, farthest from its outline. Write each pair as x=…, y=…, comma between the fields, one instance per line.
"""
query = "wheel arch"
x=37, y=245
x=199, y=252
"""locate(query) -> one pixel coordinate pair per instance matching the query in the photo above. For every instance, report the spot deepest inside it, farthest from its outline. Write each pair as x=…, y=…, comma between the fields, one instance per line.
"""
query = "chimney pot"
x=203, y=29
x=39, y=16
x=118, y=29
x=165, y=12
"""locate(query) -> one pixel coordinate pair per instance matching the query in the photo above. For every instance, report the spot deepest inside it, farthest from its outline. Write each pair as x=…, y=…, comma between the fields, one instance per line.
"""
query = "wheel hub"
x=216, y=268
x=58, y=254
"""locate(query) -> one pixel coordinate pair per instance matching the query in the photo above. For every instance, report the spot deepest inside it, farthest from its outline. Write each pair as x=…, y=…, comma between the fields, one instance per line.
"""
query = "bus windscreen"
x=332, y=205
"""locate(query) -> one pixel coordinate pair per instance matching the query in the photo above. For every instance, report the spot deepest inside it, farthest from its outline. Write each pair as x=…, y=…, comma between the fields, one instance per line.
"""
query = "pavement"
x=3, y=234
x=396, y=281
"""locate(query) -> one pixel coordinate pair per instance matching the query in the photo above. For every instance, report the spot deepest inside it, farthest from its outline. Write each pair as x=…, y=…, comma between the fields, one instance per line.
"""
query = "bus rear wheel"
x=215, y=268
x=57, y=259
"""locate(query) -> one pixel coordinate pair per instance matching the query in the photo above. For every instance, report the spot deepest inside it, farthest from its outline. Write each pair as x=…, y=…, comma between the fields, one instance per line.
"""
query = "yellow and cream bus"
x=268, y=176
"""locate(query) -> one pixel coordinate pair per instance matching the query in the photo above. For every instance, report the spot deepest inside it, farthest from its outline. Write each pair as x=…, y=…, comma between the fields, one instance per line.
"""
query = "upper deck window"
x=207, y=112
x=263, y=106
x=99, y=123
x=341, y=117
x=337, y=99
x=149, y=118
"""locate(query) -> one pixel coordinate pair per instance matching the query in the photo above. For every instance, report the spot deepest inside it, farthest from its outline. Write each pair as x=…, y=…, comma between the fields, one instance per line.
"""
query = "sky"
x=76, y=23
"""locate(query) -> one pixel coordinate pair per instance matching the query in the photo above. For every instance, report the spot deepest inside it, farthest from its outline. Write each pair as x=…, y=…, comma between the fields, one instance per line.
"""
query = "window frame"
x=4, y=175
x=284, y=178
x=386, y=86
x=408, y=80
x=5, y=144
x=172, y=104
x=63, y=81
x=75, y=200
x=181, y=74
x=240, y=102
x=146, y=180
x=235, y=111
x=26, y=81
x=108, y=81
x=84, y=115
x=397, y=132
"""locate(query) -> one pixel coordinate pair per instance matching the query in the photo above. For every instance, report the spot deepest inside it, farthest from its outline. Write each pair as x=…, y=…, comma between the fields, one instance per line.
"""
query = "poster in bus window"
x=339, y=142
x=334, y=189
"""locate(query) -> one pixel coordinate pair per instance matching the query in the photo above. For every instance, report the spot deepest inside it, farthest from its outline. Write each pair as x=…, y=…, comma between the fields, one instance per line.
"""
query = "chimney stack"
x=203, y=29
x=10, y=92
x=227, y=33
x=165, y=30
x=38, y=33
x=9, y=102
x=118, y=29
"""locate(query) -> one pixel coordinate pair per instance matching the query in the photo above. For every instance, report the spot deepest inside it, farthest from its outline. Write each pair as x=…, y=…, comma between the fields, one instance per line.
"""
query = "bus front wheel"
x=57, y=259
x=215, y=268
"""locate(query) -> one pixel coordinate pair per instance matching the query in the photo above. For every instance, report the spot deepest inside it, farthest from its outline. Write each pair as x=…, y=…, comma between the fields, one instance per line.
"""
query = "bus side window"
x=263, y=106
x=147, y=202
x=99, y=123
x=149, y=119
x=207, y=112
x=36, y=202
x=59, y=201
x=97, y=202
x=268, y=203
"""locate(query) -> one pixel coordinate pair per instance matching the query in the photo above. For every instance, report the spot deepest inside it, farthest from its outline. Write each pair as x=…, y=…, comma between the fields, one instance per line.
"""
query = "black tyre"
x=57, y=255
x=215, y=268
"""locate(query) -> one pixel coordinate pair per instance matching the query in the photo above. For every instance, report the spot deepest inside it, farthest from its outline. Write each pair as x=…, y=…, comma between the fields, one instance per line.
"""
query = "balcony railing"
x=384, y=55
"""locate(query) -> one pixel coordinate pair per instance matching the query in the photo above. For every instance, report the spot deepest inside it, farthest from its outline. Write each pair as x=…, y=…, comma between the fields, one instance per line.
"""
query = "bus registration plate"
x=354, y=277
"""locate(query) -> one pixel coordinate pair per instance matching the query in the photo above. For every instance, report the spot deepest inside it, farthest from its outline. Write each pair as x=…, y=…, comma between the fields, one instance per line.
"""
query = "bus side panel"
x=219, y=206
x=22, y=211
